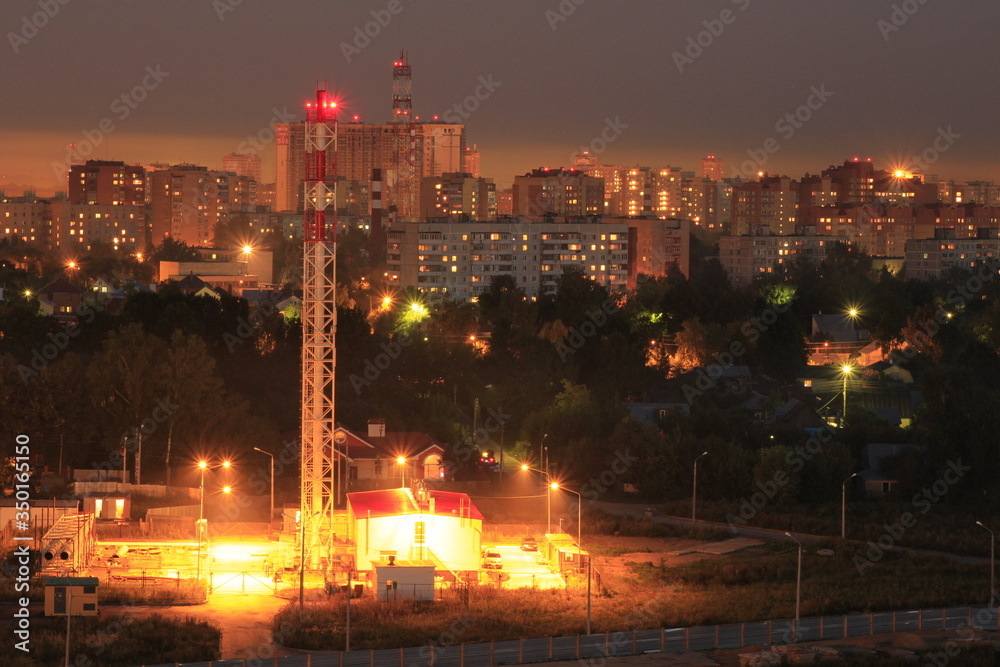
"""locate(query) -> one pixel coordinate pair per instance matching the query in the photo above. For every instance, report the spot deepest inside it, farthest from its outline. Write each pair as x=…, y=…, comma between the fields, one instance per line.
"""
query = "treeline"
x=562, y=367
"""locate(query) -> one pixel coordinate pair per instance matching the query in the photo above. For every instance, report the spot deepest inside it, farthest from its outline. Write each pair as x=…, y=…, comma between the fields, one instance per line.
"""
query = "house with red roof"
x=443, y=527
x=395, y=458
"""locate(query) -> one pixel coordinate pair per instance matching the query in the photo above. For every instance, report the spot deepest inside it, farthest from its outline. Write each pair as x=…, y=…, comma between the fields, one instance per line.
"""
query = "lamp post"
x=548, y=494
x=579, y=513
x=843, y=506
x=401, y=460
x=798, y=586
x=992, y=551
x=541, y=453
x=202, y=467
x=847, y=370
x=270, y=513
x=694, y=487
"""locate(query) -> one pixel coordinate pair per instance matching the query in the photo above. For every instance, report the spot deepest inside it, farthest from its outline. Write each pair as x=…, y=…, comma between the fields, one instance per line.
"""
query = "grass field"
x=753, y=585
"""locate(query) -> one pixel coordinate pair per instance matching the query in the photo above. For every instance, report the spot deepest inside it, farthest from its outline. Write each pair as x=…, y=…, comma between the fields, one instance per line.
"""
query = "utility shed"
x=405, y=580
x=71, y=596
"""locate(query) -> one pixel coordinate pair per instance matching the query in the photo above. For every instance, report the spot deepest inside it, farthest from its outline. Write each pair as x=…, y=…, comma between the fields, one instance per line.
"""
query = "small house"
x=71, y=596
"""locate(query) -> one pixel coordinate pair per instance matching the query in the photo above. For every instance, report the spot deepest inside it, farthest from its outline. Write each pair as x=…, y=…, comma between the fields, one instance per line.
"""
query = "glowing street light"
x=548, y=494
x=401, y=461
x=203, y=465
x=847, y=370
x=247, y=249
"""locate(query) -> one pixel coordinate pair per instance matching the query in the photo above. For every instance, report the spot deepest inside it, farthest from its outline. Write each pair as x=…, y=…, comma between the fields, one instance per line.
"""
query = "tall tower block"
x=319, y=325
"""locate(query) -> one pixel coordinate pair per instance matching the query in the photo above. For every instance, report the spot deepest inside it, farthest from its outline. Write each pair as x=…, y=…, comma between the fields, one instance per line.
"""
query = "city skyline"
x=788, y=91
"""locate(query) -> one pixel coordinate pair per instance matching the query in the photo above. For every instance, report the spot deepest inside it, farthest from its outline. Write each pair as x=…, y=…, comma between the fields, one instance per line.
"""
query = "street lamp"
x=401, y=460
x=541, y=453
x=992, y=551
x=579, y=512
x=694, y=486
x=548, y=495
x=847, y=370
x=798, y=585
x=843, y=506
x=270, y=513
x=202, y=467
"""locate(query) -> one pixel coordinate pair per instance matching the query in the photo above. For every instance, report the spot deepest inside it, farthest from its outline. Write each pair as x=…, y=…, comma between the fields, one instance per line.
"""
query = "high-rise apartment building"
x=565, y=193
x=189, y=201
x=711, y=168
x=471, y=163
x=243, y=164
x=457, y=197
x=79, y=227
x=748, y=257
x=107, y=183
x=25, y=218
x=462, y=259
x=362, y=147
x=768, y=205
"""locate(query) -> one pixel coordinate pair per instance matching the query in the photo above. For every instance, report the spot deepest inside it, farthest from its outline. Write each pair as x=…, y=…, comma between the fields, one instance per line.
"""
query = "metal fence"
x=608, y=644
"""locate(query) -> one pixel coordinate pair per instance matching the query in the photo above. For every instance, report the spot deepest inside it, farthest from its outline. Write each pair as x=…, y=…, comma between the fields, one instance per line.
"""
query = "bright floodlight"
x=386, y=302
x=899, y=173
x=554, y=485
x=847, y=369
x=853, y=312
x=247, y=249
x=226, y=464
x=227, y=489
x=524, y=466
x=202, y=464
x=400, y=460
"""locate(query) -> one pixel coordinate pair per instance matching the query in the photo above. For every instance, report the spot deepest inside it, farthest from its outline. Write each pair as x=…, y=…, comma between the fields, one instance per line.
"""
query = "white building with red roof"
x=424, y=525
x=397, y=457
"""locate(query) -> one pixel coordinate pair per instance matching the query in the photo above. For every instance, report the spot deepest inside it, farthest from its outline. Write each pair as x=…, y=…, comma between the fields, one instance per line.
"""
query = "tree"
x=696, y=345
x=192, y=387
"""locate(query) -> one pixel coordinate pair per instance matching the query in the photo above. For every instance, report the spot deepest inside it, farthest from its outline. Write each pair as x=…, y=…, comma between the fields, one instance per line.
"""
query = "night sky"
x=897, y=86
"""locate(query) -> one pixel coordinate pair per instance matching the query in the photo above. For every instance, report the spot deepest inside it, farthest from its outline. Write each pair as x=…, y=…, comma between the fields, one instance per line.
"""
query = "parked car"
x=492, y=560
x=529, y=544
